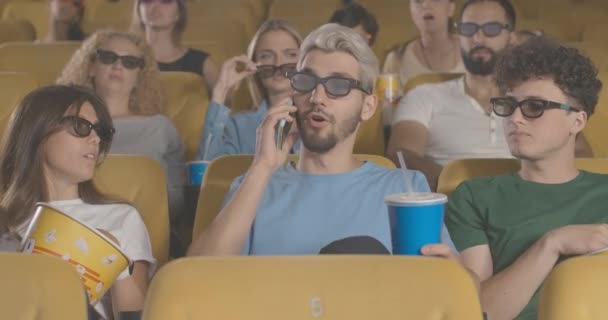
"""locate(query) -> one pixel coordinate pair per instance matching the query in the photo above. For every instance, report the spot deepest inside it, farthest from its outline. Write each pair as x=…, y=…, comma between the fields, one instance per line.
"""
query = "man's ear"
x=370, y=103
x=579, y=122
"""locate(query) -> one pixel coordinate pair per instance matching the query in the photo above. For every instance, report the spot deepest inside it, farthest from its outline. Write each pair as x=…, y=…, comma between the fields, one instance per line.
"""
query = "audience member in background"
x=56, y=138
x=65, y=20
x=271, y=56
x=121, y=69
x=437, y=123
x=355, y=16
x=298, y=208
x=435, y=50
x=163, y=22
x=513, y=229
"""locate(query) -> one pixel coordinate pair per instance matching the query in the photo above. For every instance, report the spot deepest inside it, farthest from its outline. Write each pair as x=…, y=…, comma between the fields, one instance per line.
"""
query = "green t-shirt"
x=509, y=214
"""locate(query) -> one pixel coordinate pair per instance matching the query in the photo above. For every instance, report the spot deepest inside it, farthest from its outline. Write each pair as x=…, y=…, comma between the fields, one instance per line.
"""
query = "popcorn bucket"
x=95, y=257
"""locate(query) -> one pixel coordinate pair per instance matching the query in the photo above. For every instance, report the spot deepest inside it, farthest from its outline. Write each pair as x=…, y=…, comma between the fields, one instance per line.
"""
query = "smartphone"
x=282, y=130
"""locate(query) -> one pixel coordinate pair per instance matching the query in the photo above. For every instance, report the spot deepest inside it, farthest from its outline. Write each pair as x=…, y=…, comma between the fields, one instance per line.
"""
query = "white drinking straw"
x=207, y=144
x=408, y=182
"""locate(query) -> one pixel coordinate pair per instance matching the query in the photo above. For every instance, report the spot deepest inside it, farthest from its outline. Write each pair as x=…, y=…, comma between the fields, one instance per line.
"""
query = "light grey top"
x=155, y=137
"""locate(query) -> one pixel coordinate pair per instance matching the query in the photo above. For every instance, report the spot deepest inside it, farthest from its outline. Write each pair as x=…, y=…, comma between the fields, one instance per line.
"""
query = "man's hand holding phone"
x=274, y=141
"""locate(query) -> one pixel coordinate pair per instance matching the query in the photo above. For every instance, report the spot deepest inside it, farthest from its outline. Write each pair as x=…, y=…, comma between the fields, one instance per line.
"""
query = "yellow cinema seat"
x=187, y=102
x=13, y=87
x=140, y=181
x=38, y=287
x=312, y=287
x=576, y=289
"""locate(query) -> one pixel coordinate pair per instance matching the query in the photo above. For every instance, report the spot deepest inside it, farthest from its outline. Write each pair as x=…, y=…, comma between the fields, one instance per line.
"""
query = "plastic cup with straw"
x=416, y=216
x=196, y=169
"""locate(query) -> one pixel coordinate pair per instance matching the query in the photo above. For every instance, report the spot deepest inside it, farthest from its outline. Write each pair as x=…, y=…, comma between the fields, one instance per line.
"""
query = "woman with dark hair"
x=65, y=20
x=120, y=68
x=437, y=49
x=56, y=138
x=163, y=23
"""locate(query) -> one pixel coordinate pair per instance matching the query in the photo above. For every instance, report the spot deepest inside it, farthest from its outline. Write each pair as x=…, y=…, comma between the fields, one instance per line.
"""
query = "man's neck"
x=555, y=169
x=337, y=160
x=481, y=88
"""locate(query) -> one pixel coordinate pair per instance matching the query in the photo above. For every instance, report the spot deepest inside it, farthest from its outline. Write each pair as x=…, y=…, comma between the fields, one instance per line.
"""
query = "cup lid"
x=414, y=199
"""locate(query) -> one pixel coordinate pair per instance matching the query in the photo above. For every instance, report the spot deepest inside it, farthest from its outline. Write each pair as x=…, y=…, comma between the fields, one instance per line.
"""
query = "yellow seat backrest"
x=16, y=30
x=304, y=15
x=311, y=287
x=458, y=171
x=38, y=287
x=229, y=11
x=90, y=26
x=118, y=10
x=554, y=29
x=234, y=36
x=221, y=173
x=140, y=181
x=187, y=102
x=593, y=32
x=36, y=12
x=576, y=289
x=43, y=61
x=13, y=87
x=370, y=136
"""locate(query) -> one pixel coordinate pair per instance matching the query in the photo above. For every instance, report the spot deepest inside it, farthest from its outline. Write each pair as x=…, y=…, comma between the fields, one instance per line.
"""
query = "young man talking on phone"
x=298, y=208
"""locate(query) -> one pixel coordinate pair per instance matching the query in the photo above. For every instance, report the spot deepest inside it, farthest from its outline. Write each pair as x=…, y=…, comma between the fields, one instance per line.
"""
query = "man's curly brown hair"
x=571, y=71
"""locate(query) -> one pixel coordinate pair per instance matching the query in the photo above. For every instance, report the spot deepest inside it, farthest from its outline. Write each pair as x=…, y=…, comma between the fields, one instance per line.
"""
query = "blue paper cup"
x=416, y=220
x=196, y=172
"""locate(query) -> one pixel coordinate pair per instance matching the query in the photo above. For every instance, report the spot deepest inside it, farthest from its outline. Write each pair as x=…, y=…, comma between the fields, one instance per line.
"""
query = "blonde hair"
x=256, y=89
x=146, y=97
x=333, y=37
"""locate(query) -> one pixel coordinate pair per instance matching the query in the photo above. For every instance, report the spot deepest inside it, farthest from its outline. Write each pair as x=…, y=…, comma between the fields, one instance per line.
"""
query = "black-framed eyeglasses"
x=335, y=86
x=530, y=108
x=268, y=70
x=82, y=128
x=129, y=62
x=489, y=29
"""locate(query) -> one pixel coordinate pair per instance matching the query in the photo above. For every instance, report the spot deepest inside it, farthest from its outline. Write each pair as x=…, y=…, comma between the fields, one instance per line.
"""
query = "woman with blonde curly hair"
x=121, y=69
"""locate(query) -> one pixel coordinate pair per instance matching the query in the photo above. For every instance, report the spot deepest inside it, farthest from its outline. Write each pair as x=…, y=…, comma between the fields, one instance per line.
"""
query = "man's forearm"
x=229, y=230
x=505, y=294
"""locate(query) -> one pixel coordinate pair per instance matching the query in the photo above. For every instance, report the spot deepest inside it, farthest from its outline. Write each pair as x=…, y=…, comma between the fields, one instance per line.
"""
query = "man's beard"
x=478, y=66
x=315, y=142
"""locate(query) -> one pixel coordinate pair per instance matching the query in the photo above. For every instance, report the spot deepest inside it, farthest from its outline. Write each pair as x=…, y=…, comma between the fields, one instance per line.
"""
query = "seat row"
x=325, y=287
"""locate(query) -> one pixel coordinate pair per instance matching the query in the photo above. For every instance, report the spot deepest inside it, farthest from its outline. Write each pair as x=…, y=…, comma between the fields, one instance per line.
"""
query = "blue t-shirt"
x=301, y=213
